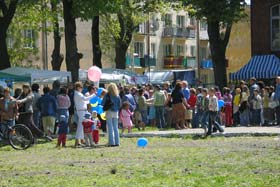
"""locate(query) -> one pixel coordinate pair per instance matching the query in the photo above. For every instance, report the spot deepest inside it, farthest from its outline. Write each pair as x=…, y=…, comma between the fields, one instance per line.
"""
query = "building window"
x=192, y=21
x=153, y=50
x=141, y=28
x=139, y=49
x=192, y=51
x=179, y=50
x=29, y=38
x=167, y=50
x=168, y=20
x=203, y=53
x=203, y=25
x=180, y=21
x=275, y=27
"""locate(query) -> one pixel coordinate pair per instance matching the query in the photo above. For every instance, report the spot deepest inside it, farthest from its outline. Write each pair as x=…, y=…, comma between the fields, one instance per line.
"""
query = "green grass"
x=217, y=162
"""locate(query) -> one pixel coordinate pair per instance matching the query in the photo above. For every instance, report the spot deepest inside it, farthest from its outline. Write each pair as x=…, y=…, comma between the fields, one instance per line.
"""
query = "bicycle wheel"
x=20, y=137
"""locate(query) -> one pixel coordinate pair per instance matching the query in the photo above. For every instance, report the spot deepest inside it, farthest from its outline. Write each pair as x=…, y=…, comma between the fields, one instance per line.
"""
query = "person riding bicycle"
x=8, y=110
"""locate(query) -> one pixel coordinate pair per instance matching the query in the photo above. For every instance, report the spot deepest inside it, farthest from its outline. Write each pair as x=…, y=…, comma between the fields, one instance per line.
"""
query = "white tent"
x=116, y=75
x=158, y=77
x=35, y=75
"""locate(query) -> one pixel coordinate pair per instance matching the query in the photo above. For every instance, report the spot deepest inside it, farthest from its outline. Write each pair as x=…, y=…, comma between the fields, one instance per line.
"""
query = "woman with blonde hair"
x=111, y=104
x=81, y=102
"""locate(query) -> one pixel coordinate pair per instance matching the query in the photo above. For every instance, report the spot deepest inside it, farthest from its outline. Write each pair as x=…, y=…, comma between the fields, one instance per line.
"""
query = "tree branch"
x=227, y=35
x=3, y=7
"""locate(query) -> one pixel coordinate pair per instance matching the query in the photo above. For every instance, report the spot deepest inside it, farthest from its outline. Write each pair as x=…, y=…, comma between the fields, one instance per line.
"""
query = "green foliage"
x=225, y=11
x=29, y=17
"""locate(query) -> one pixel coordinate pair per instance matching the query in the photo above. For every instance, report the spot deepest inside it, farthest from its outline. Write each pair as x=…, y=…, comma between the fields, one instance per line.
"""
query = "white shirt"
x=81, y=101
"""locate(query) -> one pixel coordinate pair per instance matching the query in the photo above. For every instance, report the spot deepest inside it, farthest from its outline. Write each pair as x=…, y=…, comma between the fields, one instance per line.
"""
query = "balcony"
x=141, y=62
x=171, y=62
x=178, y=32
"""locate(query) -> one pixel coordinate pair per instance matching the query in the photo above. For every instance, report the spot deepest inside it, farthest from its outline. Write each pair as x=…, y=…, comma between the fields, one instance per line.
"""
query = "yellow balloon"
x=103, y=116
x=95, y=104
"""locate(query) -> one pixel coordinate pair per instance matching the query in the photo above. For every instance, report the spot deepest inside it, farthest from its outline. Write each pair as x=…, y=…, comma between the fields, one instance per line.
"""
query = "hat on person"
x=87, y=115
x=62, y=118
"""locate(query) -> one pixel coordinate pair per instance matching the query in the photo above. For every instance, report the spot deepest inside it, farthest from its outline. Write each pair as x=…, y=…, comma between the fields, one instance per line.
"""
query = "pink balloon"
x=94, y=73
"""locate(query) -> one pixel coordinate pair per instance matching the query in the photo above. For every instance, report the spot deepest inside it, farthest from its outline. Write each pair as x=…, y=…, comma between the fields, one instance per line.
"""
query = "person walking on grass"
x=112, y=115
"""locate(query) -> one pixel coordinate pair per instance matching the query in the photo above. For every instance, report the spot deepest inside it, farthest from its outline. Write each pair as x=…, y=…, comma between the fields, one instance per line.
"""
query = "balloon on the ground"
x=221, y=103
x=142, y=142
x=99, y=91
x=94, y=73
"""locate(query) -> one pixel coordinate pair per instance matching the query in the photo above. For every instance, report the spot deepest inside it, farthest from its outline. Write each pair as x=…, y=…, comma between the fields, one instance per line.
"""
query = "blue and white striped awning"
x=260, y=67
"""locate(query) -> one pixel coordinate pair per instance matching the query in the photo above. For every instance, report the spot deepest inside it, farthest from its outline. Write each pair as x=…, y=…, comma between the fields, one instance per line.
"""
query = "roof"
x=20, y=74
x=260, y=67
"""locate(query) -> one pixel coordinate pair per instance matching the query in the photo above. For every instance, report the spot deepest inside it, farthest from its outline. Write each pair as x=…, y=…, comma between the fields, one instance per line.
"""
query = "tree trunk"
x=72, y=55
x=218, y=54
x=96, y=49
x=122, y=43
x=120, y=59
x=4, y=55
x=8, y=13
x=57, y=57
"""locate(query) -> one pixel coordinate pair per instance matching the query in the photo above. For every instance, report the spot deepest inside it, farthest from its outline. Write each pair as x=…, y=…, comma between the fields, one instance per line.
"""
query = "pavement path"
x=229, y=132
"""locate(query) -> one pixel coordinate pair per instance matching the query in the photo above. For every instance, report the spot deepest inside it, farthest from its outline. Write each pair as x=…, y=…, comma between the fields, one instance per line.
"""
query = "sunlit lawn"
x=241, y=161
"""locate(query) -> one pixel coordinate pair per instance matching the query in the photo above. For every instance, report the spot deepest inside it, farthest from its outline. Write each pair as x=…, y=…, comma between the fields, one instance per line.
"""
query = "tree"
x=220, y=15
x=72, y=55
x=8, y=12
x=57, y=57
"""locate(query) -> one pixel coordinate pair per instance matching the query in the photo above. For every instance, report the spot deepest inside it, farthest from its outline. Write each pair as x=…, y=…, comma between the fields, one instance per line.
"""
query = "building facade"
x=265, y=27
x=172, y=43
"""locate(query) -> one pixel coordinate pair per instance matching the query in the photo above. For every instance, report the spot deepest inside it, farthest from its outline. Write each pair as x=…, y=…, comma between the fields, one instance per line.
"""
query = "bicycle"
x=19, y=136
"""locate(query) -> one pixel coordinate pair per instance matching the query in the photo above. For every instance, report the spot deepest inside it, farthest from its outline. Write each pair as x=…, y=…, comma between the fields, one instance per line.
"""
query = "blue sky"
x=248, y=1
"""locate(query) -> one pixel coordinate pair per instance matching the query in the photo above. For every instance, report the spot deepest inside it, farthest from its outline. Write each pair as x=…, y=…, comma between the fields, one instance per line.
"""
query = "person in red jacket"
x=191, y=105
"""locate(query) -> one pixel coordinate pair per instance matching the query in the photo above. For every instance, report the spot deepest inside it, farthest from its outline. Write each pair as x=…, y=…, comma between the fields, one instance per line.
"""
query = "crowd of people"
x=162, y=106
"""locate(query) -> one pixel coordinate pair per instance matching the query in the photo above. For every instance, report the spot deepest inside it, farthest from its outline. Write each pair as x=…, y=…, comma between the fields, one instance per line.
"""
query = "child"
x=88, y=123
x=213, y=111
x=125, y=116
x=62, y=132
x=257, y=107
x=236, y=104
x=96, y=125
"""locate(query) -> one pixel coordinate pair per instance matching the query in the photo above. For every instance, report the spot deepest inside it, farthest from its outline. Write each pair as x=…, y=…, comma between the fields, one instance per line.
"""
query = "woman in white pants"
x=81, y=102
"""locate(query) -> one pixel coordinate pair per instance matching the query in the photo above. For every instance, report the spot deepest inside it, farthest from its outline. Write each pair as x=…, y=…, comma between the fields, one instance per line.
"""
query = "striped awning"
x=260, y=67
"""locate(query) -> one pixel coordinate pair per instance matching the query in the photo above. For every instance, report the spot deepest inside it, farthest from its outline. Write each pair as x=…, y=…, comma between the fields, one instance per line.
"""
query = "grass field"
x=240, y=161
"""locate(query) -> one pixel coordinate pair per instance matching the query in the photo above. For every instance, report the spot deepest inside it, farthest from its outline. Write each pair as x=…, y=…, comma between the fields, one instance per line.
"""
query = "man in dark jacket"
x=47, y=105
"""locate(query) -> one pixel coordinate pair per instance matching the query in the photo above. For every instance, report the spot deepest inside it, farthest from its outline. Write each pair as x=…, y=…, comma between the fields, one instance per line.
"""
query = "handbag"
x=108, y=103
x=273, y=104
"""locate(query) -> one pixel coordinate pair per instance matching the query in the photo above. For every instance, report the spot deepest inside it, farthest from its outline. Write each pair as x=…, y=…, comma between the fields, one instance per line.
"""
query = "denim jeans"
x=204, y=119
x=113, y=131
x=256, y=120
x=160, y=116
x=196, y=119
x=244, y=118
x=144, y=114
x=37, y=118
x=213, y=122
x=4, y=127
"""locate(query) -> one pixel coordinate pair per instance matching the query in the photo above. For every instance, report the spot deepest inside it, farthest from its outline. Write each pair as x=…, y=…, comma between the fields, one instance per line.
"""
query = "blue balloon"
x=221, y=104
x=142, y=142
x=99, y=91
x=94, y=100
x=99, y=109
x=100, y=100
